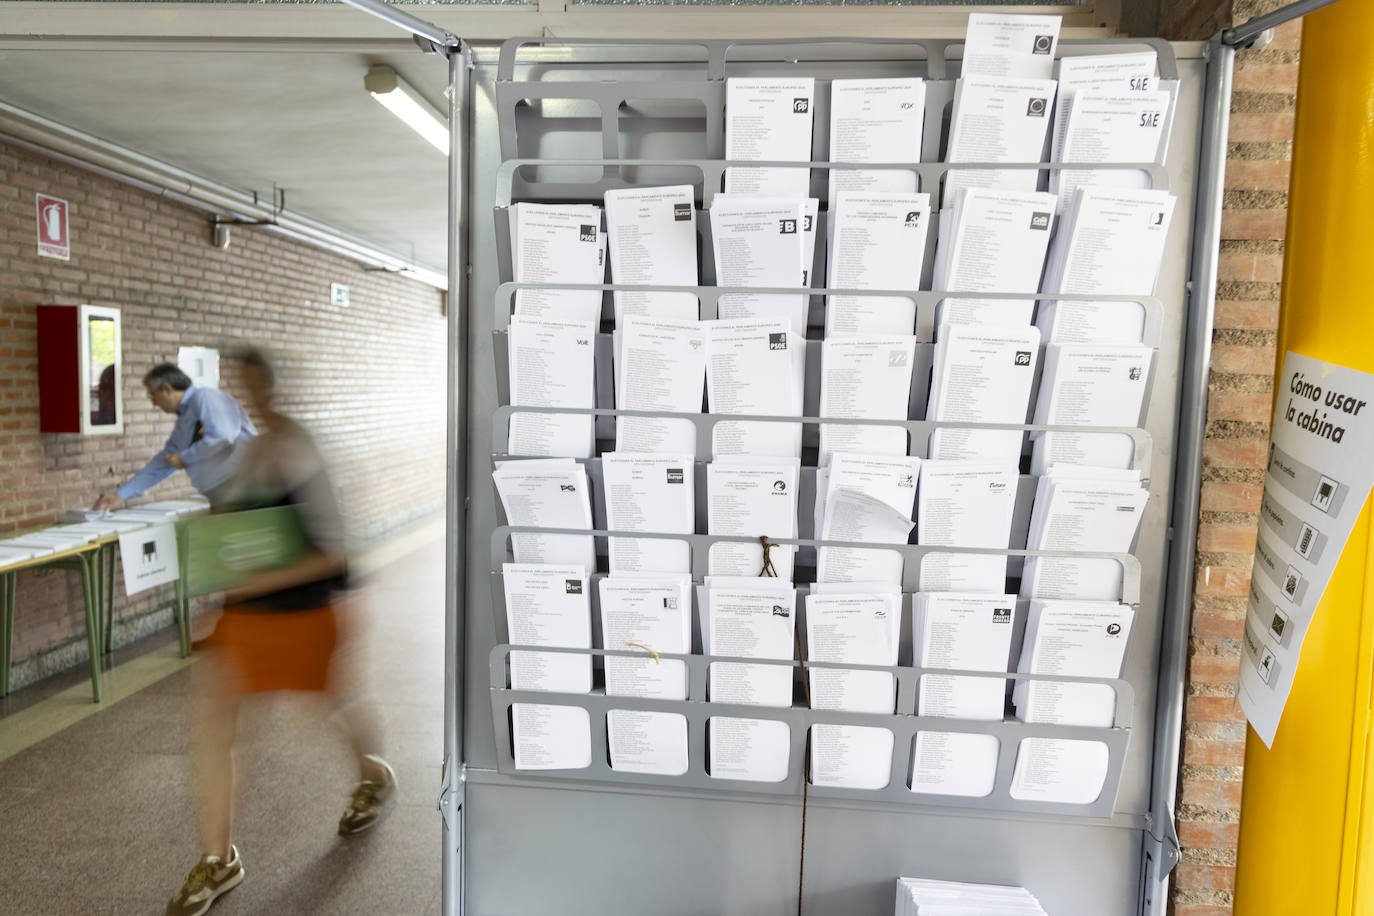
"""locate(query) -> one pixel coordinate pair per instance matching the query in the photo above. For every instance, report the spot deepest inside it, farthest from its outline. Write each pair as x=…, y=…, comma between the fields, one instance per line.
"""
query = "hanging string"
x=767, y=569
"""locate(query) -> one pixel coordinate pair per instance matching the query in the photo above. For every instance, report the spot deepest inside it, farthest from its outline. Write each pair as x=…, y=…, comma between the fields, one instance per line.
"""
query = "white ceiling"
x=296, y=120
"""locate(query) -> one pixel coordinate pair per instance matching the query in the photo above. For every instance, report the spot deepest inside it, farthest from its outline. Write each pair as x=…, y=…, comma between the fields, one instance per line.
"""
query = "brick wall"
x=368, y=379
x=1239, y=408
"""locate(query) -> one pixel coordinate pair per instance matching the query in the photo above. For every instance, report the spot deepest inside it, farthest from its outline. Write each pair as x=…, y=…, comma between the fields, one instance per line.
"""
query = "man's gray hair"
x=168, y=373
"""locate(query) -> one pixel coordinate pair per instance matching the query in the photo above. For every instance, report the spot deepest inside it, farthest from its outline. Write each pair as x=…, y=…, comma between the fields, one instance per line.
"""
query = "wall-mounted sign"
x=201, y=364
x=1318, y=479
x=54, y=237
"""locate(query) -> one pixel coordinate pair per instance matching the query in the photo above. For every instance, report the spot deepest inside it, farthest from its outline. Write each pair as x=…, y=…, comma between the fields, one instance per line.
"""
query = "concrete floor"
x=97, y=818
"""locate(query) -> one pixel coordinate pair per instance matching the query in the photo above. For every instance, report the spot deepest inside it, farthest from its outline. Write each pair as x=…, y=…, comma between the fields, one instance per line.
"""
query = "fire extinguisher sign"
x=54, y=239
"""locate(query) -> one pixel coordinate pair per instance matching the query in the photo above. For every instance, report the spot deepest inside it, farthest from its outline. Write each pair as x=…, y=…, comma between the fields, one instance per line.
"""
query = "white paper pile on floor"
x=923, y=897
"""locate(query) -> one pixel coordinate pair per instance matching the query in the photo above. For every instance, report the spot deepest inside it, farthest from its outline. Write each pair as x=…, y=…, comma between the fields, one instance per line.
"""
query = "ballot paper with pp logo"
x=769, y=119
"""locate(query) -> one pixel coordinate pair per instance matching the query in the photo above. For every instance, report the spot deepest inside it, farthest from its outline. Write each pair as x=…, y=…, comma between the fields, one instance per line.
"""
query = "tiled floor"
x=96, y=819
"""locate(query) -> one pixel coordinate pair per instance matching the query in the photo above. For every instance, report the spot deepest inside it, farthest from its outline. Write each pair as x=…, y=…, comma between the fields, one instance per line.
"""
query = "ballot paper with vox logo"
x=223, y=550
x=1318, y=479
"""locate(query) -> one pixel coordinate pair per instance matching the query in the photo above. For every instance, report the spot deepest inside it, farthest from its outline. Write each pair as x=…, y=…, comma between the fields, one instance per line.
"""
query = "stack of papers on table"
x=57, y=538
x=923, y=897
x=965, y=504
x=992, y=240
x=653, y=615
x=1110, y=241
x=864, y=498
x=552, y=364
x=660, y=366
x=867, y=378
x=968, y=633
x=769, y=119
x=180, y=506
x=551, y=493
x=11, y=552
x=876, y=242
x=754, y=618
x=755, y=367
x=1082, y=509
x=652, y=234
x=875, y=120
x=1090, y=385
x=763, y=242
x=558, y=243
x=982, y=374
x=549, y=606
x=653, y=493
x=862, y=629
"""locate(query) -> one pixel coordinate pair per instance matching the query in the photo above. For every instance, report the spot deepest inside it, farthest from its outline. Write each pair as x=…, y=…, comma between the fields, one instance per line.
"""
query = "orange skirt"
x=290, y=650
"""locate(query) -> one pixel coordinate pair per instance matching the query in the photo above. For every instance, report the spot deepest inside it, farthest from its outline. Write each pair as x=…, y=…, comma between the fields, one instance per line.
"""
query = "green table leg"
x=105, y=579
x=9, y=583
x=90, y=588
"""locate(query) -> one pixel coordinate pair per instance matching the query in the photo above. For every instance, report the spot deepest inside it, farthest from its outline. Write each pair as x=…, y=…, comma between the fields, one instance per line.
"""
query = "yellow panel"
x=1307, y=821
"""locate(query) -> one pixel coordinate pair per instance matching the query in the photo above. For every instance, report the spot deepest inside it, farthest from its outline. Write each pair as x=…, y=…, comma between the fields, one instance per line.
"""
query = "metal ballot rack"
x=555, y=121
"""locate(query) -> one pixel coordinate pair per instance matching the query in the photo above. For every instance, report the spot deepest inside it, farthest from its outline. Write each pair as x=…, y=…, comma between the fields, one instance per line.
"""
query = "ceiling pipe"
x=43, y=135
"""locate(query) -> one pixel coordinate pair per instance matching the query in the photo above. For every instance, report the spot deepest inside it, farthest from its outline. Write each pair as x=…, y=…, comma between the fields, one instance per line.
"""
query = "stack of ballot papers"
x=1110, y=241
x=1007, y=44
x=1082, y=509
x=763, y=242
x=651, y=493
x=923, y=897
x=1089, y=385
x=877, y=241
x=550, y=493
x=548, y=605
x=868, y=378
x=992, y=240
x=1134, y=71
x=982, y=374
x=652, y=614
x=755, y=367
x=1060, y=770
x=768, y=119
x=1075, y=639
x=11, y=552
x=552, y=364
x=749, y=617
x=968, y=633
x=965, y=504
x=1111, y=126
x=661, y=367
x=558, y=243
x=62, y=537
x=861, y=628
x=864, y=499
x=652, y=238
x=875, y=120
x=753, y=498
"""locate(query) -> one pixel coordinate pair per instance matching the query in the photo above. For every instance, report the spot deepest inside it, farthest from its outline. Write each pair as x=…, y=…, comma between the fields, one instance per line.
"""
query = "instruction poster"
x=149, y=556
x=1319, y=475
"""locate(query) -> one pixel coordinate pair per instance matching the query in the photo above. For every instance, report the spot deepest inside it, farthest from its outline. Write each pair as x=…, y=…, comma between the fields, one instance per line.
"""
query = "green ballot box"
x=223, y=550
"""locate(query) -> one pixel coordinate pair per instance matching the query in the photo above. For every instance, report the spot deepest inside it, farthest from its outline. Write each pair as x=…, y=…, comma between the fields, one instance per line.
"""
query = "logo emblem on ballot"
x=1022, y=358
x=777, y=341
x=896, y=358
x=1113, y=629
x=1035, y=108
x=1042, y=44
x=801, y=106
x=1134, y=373
x=780, y=611
x=572, y=586
x=1001, y=615
x=1040, y=220
x=675, y=475
x=682, y=212
x=913, y=218
x=587, y=233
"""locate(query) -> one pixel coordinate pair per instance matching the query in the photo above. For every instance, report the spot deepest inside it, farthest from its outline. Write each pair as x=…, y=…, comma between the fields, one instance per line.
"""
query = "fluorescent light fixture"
x=401, y=99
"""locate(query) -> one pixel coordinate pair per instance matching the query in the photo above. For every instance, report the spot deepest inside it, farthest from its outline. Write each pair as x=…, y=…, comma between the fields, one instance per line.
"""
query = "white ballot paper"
x=653, y=493
x=660, y=366
x=982, y=374
x=760, y=242
x=1005, y=44
x=1075, y=639
x=923, y=897
x=653, y=242
x=759, y=368
x=969, y=633
x=558, y=244
x=1064, y=770
x=1082, y=509
x=1134, y=72
x=867, y=378
x=877, y=242
x=770, y=119
x=1089, y=385
x=862, y=629
x=653, y=615
x=754, y=499
x=751, y=622
x=550, y=494
x=875, y=120
x=552, y=364
x=1318, y=481
x=1111, y=242
x=1111, y=126
x=890, y=478
x=965, y=504
x=995, y=241
x=549, y=606
x=851, y=515
x=998, y=119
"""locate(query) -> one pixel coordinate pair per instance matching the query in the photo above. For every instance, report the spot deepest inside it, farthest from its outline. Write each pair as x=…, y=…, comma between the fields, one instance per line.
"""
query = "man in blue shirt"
x=209, y=435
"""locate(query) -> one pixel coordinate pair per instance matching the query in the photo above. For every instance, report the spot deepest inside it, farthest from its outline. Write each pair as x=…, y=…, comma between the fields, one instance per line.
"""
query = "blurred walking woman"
x=279, y=630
